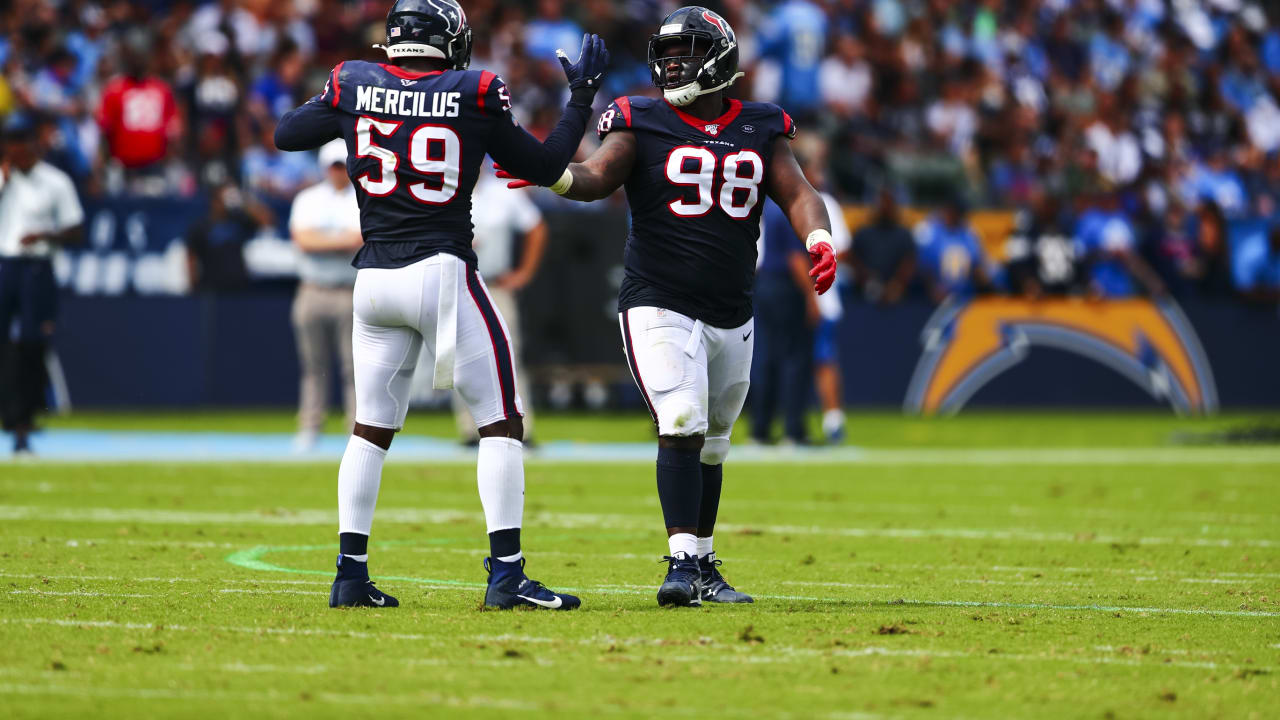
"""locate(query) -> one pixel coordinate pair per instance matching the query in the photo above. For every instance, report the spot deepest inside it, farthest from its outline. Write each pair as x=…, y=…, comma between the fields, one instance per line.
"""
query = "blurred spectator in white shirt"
x=325, y=225
x=845, y=79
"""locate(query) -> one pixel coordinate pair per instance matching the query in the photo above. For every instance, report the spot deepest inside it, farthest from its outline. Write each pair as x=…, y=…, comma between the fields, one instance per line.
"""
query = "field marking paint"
x=252, y=560
x=160, y=627
x=36, y=540
x=242, y=591
x=1161, y=651
x=622, y=589
x=118, y=579
x=1096, y=608
x=603, y=641
x=76, y=593
x=792, y=654
x=1227, y=519
x=1072, y=570
x=869, y=586
x=579, y=520
x=416, y=699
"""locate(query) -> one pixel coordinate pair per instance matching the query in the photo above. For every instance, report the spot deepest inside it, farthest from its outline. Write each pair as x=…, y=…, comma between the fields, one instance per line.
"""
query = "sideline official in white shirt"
x=325, y=225
x=39, y=212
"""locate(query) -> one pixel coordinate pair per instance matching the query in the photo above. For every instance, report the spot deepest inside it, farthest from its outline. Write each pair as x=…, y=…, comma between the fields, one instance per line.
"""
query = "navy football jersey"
x=696, y=193
x=415, y=145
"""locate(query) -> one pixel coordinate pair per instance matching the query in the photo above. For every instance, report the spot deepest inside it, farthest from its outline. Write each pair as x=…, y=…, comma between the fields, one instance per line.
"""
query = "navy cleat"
x=353, y=588
x=683, y=585
x=510, y=588
x=714, y=587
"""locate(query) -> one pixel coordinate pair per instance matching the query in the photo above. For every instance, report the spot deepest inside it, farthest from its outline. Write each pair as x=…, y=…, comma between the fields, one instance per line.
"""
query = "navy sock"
x=712, y=480
x=353, y=544
x=679, y=486
x=504, y=543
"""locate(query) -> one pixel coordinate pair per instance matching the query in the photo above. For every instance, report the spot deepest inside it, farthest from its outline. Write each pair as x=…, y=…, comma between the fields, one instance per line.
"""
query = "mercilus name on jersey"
x=389, y=101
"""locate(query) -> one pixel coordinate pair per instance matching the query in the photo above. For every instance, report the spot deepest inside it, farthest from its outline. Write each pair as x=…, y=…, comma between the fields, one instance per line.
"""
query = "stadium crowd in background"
x=1140, y=138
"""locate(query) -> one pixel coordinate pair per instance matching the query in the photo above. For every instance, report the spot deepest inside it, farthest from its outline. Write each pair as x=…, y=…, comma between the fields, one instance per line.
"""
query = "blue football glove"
x=587, y=72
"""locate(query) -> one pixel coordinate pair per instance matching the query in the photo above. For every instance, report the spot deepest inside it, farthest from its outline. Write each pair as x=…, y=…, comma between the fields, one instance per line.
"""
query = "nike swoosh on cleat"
x=552, y=604
x=377, y=601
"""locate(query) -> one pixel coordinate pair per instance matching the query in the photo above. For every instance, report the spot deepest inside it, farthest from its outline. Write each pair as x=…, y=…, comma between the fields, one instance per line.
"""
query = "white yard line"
x=1142, y=513
x=419, y=701
x=1072, y=570
x=1096, y=608
x=117, y=578
x=414, y=699
x=241, y=591
x=591, y=520
x=38, y=540
x=885, y=586
x=249, y=630
x=739, y=651
x=806, y=654
x=77, y=593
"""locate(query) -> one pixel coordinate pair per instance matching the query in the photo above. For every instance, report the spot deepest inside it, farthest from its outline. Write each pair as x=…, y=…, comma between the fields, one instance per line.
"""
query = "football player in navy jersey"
x=417, y=129
x=694, y=165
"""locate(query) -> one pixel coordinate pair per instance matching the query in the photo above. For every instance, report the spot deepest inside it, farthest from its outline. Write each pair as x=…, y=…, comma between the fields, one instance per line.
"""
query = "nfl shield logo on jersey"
x=713, y=129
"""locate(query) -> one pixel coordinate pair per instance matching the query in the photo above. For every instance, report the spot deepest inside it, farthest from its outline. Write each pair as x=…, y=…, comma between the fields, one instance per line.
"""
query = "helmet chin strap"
x=686, y=94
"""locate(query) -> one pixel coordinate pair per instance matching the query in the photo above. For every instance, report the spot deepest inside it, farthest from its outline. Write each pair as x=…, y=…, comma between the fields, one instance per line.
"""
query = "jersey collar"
x=710, y=127
x=407, y=74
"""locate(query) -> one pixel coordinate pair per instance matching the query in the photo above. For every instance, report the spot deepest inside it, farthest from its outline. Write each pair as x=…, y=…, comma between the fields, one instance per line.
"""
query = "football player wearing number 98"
x=694, y=165
x=417, y=129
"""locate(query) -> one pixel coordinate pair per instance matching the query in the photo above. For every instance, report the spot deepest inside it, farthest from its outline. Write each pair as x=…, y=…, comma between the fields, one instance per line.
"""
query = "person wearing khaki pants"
x=325, y=226
x=510, y=238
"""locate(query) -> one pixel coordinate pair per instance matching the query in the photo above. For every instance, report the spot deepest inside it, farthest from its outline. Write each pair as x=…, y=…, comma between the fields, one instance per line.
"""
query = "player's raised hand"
x=588, y=71
x=824, y=266
x=516, y=183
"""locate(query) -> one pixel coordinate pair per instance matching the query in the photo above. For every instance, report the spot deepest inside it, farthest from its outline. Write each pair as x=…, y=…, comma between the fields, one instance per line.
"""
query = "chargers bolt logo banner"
x=969, y=344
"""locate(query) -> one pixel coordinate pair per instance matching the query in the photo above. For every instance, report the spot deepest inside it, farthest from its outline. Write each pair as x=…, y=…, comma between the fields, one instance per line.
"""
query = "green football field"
x=986, y=566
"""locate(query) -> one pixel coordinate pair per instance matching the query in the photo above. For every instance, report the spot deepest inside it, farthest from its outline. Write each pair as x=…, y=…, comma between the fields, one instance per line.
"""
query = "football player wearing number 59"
x=417, y=129
x=694, y=165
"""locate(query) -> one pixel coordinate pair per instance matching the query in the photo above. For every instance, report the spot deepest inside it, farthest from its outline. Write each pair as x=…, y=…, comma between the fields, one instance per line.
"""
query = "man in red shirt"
x=138, y=116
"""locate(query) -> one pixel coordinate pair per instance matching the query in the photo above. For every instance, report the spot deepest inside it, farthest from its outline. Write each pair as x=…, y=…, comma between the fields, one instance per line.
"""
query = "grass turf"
x=883, y=590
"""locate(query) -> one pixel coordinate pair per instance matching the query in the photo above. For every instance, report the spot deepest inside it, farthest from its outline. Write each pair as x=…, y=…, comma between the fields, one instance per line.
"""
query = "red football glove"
x=824, y=266
x=516, y=183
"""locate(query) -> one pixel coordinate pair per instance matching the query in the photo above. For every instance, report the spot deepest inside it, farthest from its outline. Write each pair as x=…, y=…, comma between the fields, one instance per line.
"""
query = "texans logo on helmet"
x=453, y=11
x=719, y=22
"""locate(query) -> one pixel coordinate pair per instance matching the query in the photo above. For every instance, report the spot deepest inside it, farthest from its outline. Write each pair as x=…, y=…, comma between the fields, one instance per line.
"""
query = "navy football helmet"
x=712, y=60
x=429, y=29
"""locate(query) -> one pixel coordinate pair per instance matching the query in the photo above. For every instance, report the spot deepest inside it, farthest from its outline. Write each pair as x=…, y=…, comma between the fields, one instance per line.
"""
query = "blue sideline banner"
x=239, y=350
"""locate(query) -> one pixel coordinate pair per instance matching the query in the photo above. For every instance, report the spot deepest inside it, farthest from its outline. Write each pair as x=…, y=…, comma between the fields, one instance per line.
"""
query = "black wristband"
x=584, y=96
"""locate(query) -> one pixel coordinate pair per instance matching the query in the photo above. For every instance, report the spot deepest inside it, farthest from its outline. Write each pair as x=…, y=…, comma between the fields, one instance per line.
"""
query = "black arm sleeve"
x=520, y=153
x=308, y=127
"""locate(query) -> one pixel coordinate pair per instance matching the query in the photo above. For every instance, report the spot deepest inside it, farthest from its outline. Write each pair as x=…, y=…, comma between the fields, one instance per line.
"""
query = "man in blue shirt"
x=1105, y=238
x=786, y=313
x=795, y=37
x=950, y=256
x=550, y=30
x=1255, y=261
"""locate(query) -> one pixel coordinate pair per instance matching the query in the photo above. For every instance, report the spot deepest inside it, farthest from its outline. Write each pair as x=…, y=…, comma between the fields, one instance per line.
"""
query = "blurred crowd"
x=1138, y=139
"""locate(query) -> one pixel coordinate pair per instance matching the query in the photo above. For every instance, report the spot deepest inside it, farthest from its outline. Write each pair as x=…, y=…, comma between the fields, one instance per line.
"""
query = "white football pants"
x=441, y=307
x=694, y=377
